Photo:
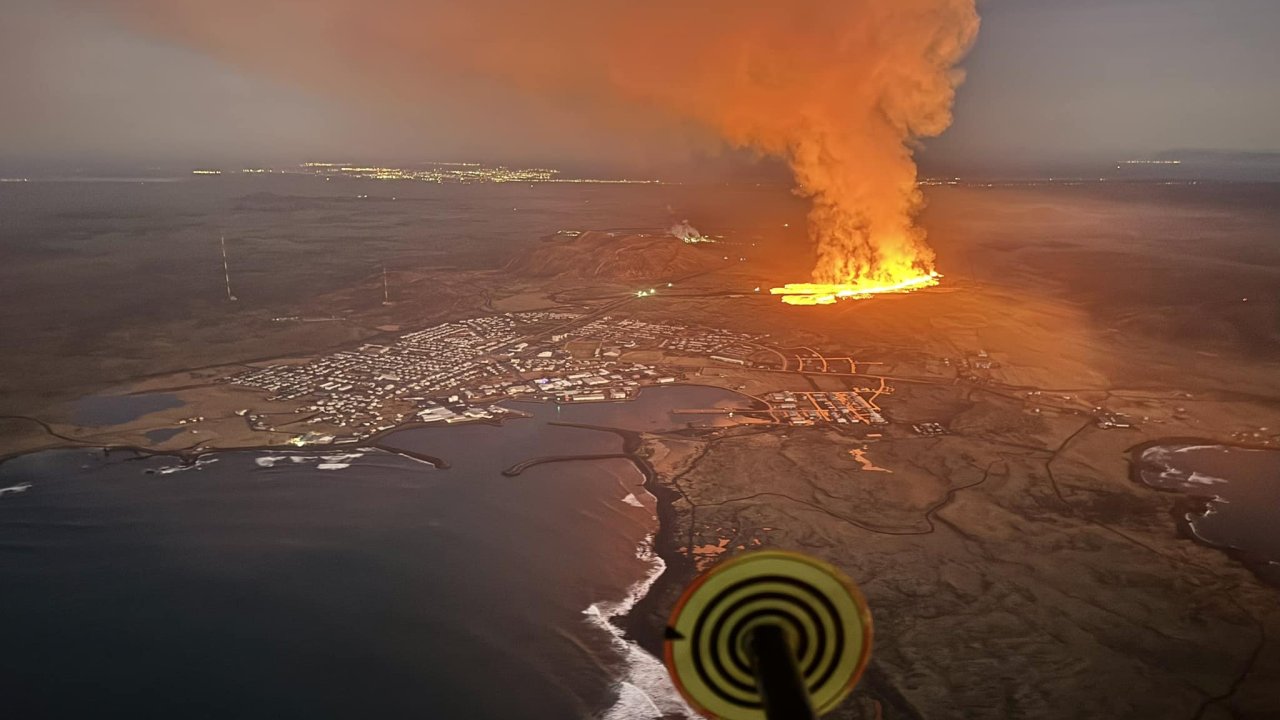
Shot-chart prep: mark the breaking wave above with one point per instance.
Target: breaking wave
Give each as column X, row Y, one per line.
column 338, row 461
column 644, row 691
column 197, row 465
column 15, row 489
column 1163, row 457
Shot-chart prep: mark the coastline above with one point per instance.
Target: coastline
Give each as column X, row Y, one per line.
column 1188, row 504
column 613, row 573
column 191, row 455
column 645, row 621
column 636, row 622
column 641, row 618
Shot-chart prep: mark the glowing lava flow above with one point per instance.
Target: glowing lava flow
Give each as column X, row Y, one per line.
column 827, row 294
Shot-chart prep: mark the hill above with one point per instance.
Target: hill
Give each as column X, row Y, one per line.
column 613, row 257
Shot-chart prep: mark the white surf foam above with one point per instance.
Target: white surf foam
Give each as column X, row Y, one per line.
column 1211, row 508
column 645, row 691
column 1194, row 448
column 15, row 489
column 323, row 462
column 197, row 465
column 1191, row 519
column 1202, row 479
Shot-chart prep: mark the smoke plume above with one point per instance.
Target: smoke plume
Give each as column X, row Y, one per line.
column 842, row 89
column 688, row 233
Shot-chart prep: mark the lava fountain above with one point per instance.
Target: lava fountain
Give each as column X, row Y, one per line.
column 830, row 293
column 856, row 161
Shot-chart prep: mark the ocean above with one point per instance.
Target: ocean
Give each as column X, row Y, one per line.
column 336, row 583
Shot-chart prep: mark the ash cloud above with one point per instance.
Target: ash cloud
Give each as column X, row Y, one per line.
column 840, row 89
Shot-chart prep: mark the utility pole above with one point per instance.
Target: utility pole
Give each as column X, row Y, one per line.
column 226, row 271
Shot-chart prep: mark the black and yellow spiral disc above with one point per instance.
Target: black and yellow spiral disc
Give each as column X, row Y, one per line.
column 823, row 615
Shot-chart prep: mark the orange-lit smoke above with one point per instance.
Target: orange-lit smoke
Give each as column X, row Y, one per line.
column 841, row 89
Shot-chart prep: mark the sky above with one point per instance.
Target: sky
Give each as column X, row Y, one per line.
column 1047, row 82
column 1098, row 80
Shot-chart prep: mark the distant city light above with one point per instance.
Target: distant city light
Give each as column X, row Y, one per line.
column 446, row 172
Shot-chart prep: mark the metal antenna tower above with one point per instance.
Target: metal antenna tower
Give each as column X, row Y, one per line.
column 226, row 272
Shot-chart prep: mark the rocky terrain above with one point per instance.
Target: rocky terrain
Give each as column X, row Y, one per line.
column 613, row 257
column 1013, row 567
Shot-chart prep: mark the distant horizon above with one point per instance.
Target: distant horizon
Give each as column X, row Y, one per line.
column 1195, row 164
column 1049, row 88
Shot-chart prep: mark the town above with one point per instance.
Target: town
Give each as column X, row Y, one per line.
column 463, row 371
column 460, row 371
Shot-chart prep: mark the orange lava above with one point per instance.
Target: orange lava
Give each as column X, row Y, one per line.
column 828, row 293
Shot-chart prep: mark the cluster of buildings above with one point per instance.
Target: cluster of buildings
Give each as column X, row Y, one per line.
column 720, row 345
column 375, row 387
column 452, row 410
column 578, row 381
column 457, row 371
column 453, row 372
column 929, row 429
column 434, row 172
column 1106, row 419
column 1260, row 436
column 437, row 172
column 829, row 408
column 967, row 367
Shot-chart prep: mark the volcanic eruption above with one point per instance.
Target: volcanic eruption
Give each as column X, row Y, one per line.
column 840, row 89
